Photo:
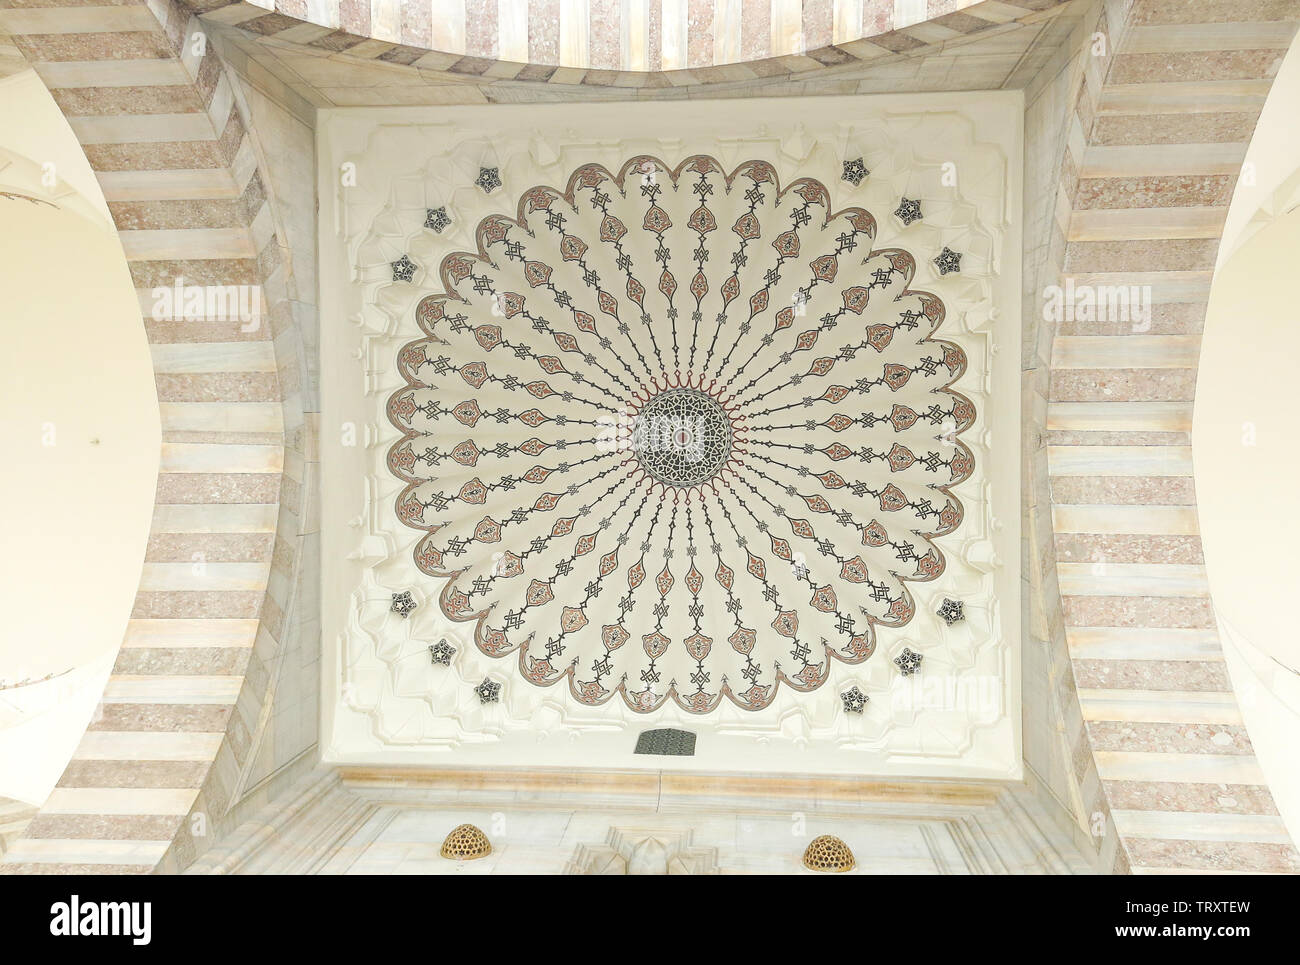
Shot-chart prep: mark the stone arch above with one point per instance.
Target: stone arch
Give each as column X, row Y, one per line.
column 653, row 44
column 182, row 715
column 1157, row 134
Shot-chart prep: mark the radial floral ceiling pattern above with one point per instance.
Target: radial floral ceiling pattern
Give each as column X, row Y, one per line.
column 679, row 433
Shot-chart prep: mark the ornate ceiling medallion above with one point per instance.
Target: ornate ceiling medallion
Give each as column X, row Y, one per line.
column 679, row 434
column 682, row 437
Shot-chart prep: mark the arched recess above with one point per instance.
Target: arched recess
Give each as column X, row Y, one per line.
column 182, row 715
column 1243, row 438
column 80, row 423
column 641, row 44
column 1160, row 126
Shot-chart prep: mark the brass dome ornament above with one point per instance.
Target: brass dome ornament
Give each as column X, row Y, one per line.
column 828, row 853
column 466, row 843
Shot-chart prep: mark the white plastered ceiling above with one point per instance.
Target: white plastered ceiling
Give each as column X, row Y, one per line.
column 387, row 703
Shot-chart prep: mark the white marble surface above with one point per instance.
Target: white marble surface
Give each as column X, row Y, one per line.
column 407, row 841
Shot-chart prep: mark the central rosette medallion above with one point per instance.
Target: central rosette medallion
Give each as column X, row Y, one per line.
column 682, row 437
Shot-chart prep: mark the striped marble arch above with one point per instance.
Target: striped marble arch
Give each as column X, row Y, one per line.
column 182, row 726
column 550, row 40
column 1157, row 134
